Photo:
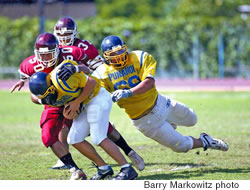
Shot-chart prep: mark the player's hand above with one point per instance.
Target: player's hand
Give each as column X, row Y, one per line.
column 18, row 85
column 93, row 64
column 71, row 110
column 66, row 71
column 119, row 94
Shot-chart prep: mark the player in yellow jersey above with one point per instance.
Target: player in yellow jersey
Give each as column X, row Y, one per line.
column 89, row 105
column 129, row 76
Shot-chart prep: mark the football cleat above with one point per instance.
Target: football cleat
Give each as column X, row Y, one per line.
column 60, row 166
column 102, row 174
column 77, row 174
column 209, row 142
column 137, row 161
column 127, row 173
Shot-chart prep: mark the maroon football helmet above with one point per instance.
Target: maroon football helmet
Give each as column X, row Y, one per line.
column 65, row 30
column 46, row 49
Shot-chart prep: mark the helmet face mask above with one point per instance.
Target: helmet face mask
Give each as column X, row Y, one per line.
column 65, row 30
column 115, row 51
column 117, row 57
column 51, row 90
column 47, row 57
column 47, row 49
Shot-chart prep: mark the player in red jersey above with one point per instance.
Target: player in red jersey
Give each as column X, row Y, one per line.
column 65, row 30
column 47, row 56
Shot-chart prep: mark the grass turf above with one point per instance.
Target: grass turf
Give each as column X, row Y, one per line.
column 224, row 115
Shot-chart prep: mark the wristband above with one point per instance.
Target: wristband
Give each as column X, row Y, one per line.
column 130, row 93
column 77, row 69
column 39, row 101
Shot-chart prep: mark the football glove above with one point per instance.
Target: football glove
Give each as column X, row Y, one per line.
column 66, row 71
column 119, row 94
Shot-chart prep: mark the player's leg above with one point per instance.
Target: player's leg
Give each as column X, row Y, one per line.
column 156, row 126
column 117, row 138
column 62, row 136
column 165, row 134
column 78, row 132
column 63, row 139
column 51, row 124
column 98, row 111
column 180, row 114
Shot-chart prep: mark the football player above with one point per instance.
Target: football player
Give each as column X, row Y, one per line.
column 90, row 105
column 48, row 54
column 129, row 76
column 65, row 30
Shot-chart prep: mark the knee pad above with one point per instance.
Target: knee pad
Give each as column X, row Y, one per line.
column 193, row 119
column 169, row 137
column 184, row 145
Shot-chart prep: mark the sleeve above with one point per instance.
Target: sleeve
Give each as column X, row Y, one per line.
column 79, row 54
column 104, row 81
column 148, row 66
column 82, row 79
column 26, row 68
column 91, row 51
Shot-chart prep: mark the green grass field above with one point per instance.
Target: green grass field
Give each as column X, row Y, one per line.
column 225, row 115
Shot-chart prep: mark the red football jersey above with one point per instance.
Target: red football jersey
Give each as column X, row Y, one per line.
column 87, row 46
column 95, row 60
column 30, row 65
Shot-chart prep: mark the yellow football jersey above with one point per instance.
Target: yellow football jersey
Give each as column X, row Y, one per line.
column 140, row 66
column 72, row 88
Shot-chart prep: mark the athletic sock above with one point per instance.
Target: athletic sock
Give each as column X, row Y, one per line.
column 104, row 167
column 68, row 160
column 123, row 145
column 125, row 166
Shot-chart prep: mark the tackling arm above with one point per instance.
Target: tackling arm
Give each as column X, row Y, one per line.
column 141, row 88
column 19, row 85
column 83, row 68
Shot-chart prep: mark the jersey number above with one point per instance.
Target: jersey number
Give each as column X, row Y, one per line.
column 67, row 50
column 132, row 82
column 38, row 67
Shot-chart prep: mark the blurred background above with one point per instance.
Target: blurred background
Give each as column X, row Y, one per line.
column 191, row 39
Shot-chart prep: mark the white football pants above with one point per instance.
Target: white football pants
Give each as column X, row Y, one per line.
column 93, row 120
column 157, row 124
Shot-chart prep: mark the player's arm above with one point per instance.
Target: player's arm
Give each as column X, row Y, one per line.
column 83, row 68
column 34, row 99
column 65, row 73
column 48, row 100
column 147, row 75
column 26, row 69
column 18, row 85
column 23, row 77
column 86, row 92
column 144, row 86
column 141, row 88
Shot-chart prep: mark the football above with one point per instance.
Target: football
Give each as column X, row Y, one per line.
column 68, row 114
